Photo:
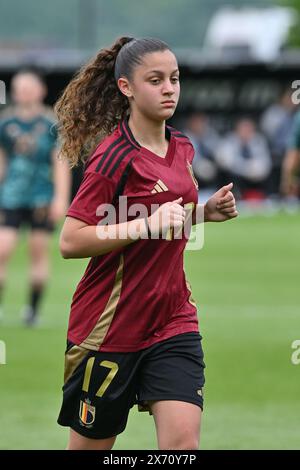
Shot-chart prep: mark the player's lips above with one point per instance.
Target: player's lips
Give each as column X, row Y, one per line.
column 168, row 103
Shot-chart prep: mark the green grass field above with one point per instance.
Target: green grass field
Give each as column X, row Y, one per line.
column 246, row 284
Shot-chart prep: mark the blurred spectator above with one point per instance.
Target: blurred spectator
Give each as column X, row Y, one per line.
column 276, row 123
column 205, row 141
column 290, row 179
column 35, row 183
column 244, row 158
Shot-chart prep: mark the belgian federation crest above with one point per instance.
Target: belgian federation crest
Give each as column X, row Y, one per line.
column 87, row 413
column 190, row 169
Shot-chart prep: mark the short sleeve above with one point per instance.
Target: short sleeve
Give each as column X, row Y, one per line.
column 95, row 189
column 190, row 150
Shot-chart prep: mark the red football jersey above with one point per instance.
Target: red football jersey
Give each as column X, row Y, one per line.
column 138, row 295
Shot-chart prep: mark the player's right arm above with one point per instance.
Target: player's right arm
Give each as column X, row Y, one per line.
column 86, row 234
column 81, row 240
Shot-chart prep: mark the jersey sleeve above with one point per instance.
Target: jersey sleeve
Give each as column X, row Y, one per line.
column 95, row 189
column 190, row 150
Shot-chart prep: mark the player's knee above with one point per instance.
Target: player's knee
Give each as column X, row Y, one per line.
column 181, row 441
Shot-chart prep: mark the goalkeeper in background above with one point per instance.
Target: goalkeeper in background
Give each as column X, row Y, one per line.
column 35, row 184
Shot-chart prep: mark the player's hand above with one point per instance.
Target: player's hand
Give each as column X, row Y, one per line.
column 221, row 206
column 168, row 215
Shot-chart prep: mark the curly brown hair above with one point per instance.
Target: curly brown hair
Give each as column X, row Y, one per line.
column 92, row 104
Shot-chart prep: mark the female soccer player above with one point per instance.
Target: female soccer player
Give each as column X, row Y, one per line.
column 133, row 334
column 34, row 182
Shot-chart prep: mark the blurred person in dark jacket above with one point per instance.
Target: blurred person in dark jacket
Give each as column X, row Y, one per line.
column 244, row 157
column 205, row 141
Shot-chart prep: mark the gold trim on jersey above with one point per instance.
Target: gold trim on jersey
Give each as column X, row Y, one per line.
column 73, row 358
column 191, row 172
column 98, row 333
column 159, row 187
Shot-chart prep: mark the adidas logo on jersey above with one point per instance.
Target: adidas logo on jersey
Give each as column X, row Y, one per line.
column 159, row 187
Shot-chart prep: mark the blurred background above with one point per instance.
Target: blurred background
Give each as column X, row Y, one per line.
column 240, row 82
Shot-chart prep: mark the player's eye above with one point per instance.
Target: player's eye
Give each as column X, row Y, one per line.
column 156, row 81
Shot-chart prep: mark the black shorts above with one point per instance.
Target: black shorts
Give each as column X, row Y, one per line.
column 101, row 387
column 36, row 219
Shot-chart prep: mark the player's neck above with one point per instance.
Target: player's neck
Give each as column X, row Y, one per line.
column 147, row 133
column 29, row 111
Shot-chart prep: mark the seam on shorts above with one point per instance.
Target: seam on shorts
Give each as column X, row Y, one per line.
column 90, row 435
column 172, row 397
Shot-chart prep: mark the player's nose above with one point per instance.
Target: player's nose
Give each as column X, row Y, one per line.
column 168, row 88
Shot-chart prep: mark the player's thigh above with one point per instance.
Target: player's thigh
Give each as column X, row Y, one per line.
column 99, row 391
column 8, row 242
column 172, row 380
column 79, row 442
column 177, row 424
column 39, row 220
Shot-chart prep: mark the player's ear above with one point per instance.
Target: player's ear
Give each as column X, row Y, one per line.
column 124, row 87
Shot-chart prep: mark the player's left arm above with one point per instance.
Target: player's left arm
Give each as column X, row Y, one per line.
column 220, row 207
column 62, row 187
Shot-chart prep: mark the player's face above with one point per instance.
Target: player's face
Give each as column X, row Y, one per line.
column 27, row 89
column 154, row 82
column 246, row 129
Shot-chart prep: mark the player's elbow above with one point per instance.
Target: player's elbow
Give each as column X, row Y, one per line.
column 66, row 247
column 72, row 241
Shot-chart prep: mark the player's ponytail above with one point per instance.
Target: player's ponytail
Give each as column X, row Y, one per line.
column 92, row 104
